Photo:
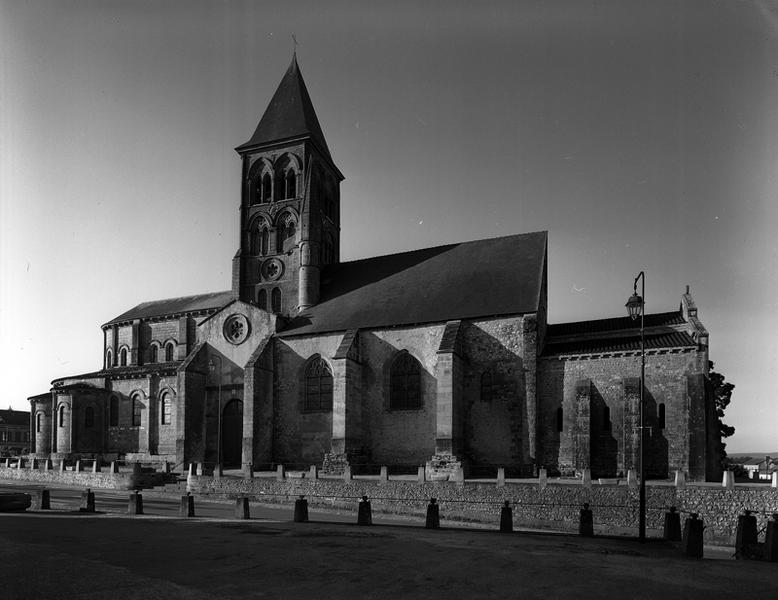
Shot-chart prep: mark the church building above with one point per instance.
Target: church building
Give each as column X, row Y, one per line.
column 439, row 357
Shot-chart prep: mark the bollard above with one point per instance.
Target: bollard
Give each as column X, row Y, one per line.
column 135, row 505
column 384, row 475
column 433, row 515
column 506, row 518
column 301, row 510
column 87, row 501
column 586, row 524
column 364, row 514
column 771, row 540
column 192, row 469
column 746, row 538
column 218, row 471
column 586, row 478
column 421, row 475
column 199, row 470
column 114, row 467
column 500, row 477
column 47, row 466
column 248, row 472
column 62, row 465
column 79, row 467
column 774, row 480
column 42, row 500
column 632, row 478
column 95, row 466
column 728, row 481
column 7, row 463
column 187, row 508
column 242, row 508
column 314, row 472
column 680, row 479
column 280, row 473
column 692, row 536
column 33, row 464
column 542, row 477
column 672, row 531
column 20, row 464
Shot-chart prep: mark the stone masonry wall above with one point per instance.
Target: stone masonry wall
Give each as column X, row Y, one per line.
column 556, row 506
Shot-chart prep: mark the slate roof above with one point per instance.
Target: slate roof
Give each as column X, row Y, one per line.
column 158, row 308
column 615, row 323
column 620, row 334
column 679, row 339
column 290, row 114
column 498, row 276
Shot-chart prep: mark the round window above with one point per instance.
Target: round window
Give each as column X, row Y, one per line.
column 272, row 269
column 236, row 329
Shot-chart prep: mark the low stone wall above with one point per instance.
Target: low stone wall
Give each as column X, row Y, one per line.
column 100, row 480
column 555, row 506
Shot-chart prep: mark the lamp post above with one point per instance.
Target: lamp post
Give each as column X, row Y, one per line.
column 212, row 367
column 636, row 306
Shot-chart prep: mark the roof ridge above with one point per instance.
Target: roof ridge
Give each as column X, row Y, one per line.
column 657, row 314
column 449, row 245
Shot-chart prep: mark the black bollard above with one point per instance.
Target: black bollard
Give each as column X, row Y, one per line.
column 301, row 510
column 771, row 540
column 692, row 536
column 364, row 515
column 242, row 508
column 506, row 518
column 87, row 501
column 586, row 525
column 187, row 506
column 42, row 500
column 433, row 515
column 746, row 539
column 672, row 531
column 135, row 505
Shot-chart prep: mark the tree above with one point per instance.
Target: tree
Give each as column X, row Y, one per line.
column 722, row 394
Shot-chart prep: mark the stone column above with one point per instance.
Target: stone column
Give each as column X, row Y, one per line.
column 135, row 354
column 449, row 374
column 346, row 444
column 631, row 428
column 583, row 426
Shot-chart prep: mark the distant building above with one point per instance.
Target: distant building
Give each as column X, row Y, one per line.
column 440, row 357
column 760, row 468
column 15, row 432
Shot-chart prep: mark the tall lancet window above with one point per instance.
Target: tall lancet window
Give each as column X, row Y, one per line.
column 291, row 184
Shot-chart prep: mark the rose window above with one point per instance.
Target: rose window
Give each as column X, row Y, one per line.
column 236, row 329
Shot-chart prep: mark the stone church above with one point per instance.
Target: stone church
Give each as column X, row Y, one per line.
column 440, row 357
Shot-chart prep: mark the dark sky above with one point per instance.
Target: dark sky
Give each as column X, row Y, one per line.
column 641, row 135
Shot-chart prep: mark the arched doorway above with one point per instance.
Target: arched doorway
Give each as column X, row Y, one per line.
column 232, row 433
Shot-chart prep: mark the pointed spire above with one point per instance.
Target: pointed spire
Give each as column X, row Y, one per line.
column 290, row 114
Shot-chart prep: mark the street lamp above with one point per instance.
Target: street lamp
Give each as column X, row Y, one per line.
column 212, row 367
column 636, row 308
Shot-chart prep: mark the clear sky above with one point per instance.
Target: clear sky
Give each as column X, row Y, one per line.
column 641, row 135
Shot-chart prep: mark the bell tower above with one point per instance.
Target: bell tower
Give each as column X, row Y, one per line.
column 290, row 204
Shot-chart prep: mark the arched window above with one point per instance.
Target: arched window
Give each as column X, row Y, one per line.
column 267, row 186
column 560, row 421
column 153, row 353
column 318, row 385
column 291, row 184
column 108, row 358
column 136, row 411
column 165, row 409
column 275, row 298
column 62, row 416
column 606, row 418
column 661, row 416
column 264, row 241
column 486, row 386
column 89, row 417
column 262, row 299
column 39, row 422
column 405, row 387
column 169, row 351
column 113, row 412
column 123, row 357
column 287, row 235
